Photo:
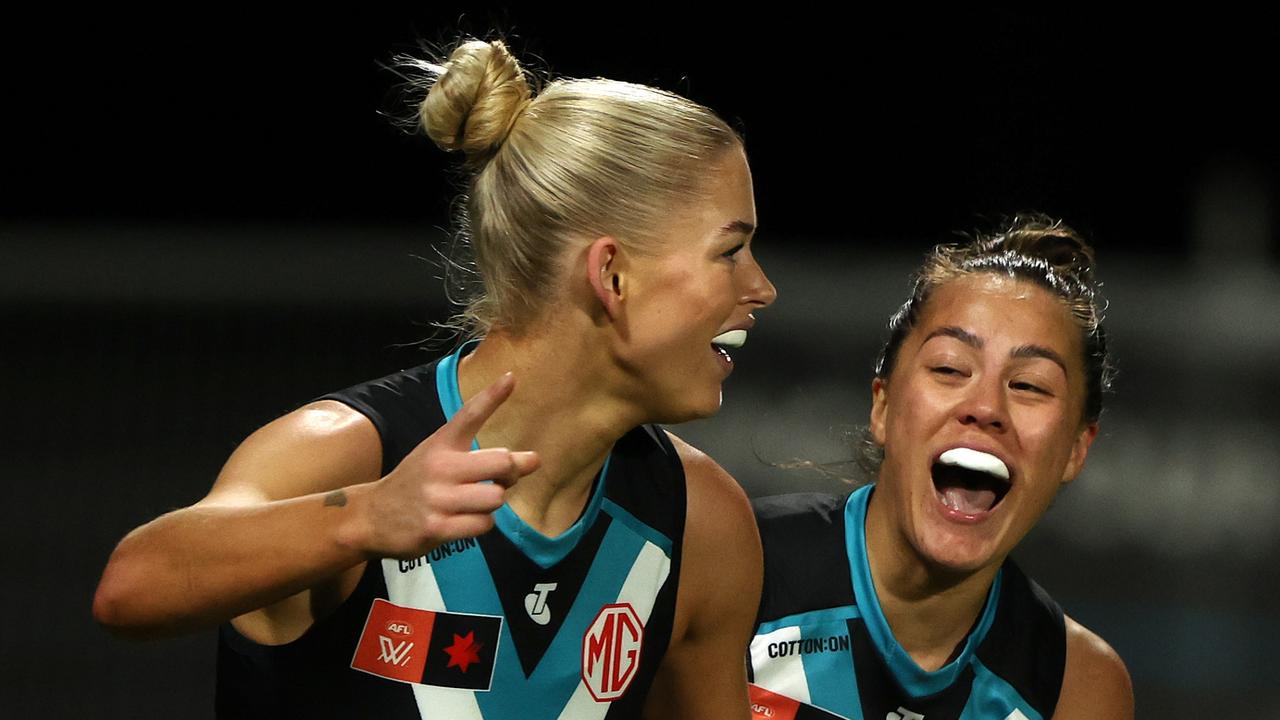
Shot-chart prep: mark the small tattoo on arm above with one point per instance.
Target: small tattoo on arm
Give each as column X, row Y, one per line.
column 337, row 498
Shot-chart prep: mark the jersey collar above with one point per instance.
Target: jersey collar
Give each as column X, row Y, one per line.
column 541, row 549
column 914, row 679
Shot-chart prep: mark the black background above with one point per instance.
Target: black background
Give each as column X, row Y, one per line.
column 893, row 123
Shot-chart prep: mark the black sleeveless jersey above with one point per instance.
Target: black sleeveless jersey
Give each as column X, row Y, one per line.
column 823, row 648
column 512, row 624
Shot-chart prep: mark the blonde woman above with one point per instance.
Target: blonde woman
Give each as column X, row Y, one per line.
column 357, row 556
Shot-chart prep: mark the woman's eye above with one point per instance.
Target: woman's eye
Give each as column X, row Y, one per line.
column 945, row 370
column 1023, row 385
column 734, row 250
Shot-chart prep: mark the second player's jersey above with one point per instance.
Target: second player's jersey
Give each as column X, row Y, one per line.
column 823, row 648
column 512, row 624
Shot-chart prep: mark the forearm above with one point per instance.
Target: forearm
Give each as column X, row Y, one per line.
column 205, row 564
column 240, row 550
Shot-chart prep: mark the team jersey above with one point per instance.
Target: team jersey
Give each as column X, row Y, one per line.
column 823, row 648
column 509, row 624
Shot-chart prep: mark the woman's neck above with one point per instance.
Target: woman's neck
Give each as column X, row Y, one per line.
column 929, row 609
column 561, row 407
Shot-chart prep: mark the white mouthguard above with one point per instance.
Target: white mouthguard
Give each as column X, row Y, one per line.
column 732, row 338
column 975, row 460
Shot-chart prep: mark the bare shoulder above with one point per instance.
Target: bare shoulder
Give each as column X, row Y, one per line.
column 723, row 560
column 321, row 446
column 703, row 673
column 718, row 505
column 1096, row 682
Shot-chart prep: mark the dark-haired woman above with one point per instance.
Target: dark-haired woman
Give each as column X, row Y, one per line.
column 364, row 563
column 899, row 600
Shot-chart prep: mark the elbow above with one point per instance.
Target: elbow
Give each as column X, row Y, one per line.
column 107, row 605
column 112, row 608
column 118, row 602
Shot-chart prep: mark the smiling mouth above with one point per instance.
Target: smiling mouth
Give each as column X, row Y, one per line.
column 970, row 482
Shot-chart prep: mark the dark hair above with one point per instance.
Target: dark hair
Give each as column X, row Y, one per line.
column 1030, row 247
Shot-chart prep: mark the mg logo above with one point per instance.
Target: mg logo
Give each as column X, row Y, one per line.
column 611, row 651
column 392, row 652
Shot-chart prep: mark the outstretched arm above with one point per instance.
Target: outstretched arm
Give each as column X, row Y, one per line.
column 704, row 672
column 297, row 505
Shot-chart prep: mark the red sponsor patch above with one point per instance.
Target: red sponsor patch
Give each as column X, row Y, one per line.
column 394, row 642
column 445, row 649
column 768, row 705
column 611, row 651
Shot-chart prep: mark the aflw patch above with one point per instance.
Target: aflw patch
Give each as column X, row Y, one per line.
column 444, row 649
column 766, row 705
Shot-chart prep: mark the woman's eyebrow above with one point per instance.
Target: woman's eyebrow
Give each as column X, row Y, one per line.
column 1038, row 351
column 957, row 332
column 737, row 226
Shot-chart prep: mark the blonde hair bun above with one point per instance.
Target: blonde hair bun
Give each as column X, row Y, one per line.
column 478, row 95
column 583, row 159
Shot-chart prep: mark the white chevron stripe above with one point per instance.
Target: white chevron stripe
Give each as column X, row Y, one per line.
column 418, row 588
column 582, row 706
column 437, row 703
column 783, row 675
column 650, row 571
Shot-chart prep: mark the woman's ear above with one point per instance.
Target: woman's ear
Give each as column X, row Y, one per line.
column 606, row 263
column 879, row 409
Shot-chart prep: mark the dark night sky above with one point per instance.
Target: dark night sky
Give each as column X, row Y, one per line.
column 871, row 126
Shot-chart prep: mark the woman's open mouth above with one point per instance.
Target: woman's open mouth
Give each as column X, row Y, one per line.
column 970, row 482
column 725, row 340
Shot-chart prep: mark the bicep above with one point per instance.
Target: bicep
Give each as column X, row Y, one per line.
column 320, row 447
column 202, row 564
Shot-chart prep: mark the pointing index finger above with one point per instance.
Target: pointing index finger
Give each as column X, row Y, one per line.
column 462, row 428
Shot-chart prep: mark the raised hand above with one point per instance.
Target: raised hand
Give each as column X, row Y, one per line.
column 439, row 492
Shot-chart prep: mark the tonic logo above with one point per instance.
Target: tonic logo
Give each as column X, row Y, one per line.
column 611, row 651
column 535, row 603
column 392, row 652
column 903, row 714
column 399, row 628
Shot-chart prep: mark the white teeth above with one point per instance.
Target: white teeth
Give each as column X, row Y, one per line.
column 975, row 460
column 732, row 338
